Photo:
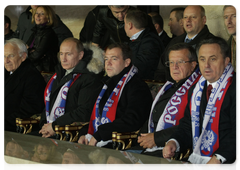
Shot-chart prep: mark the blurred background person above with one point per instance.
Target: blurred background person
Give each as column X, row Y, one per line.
column 43, row 43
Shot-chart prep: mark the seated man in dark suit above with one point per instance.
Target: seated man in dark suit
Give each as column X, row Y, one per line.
column 24, row 85
column 169, row 105
column 72, row 91
column 146, row 46
column 209, row 122
column 124, row 103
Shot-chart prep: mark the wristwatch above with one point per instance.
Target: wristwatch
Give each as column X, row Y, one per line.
column 218, row 158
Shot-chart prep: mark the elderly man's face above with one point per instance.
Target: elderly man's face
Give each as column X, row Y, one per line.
column 211, row 62
column 180, row 70
column 119, row 13
column 193, row 22
column 69, row 55
column 230, row 20
column 114, row 62
column 12, row 59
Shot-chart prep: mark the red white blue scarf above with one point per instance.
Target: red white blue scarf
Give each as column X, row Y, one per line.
column 206, row 143
column 58, row 108
column 175, row 107
column 109, row 110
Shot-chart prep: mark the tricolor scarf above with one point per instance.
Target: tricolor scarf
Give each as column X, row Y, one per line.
column 109, row 109
column 175, row 107
column 58, row 108
column 206, row 143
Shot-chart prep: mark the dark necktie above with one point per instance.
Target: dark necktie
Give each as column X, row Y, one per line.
column 188, row 40
column 209, row 89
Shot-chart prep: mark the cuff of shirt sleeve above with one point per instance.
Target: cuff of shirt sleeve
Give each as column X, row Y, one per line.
column 221, row 158
column 177, row 144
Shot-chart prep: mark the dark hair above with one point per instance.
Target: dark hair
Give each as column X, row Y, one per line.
column 117, row 3
column 157, row 19
column 225, row 51
column 231, row 3
column 126, row 51
column 7, row 20
column 192, row 53
column 78, row 43
column 179, row 12
column 137, row 17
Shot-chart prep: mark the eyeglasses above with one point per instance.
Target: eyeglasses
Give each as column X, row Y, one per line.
column 172, row 63
column 10, row 56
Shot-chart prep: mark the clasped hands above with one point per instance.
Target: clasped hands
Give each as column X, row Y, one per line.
column 146, row 140
column 83, row 140
column 171, row 147
column 47, row 130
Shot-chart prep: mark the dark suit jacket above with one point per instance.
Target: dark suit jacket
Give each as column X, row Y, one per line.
column 23, row 94
column 165, row 38
column 86, row 34
column 227, row 124
column 162, row 69
column 146, row 49
column 133, row 106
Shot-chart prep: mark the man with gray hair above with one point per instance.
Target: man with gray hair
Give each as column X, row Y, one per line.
column 229, row 16
column 24, row 85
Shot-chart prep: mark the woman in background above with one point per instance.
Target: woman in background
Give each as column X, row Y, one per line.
column 43, row 43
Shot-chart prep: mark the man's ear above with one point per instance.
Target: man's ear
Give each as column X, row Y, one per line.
column 127, row 62
column 181, row 22
column 6, row 25
column 80, row 55
column 194, row 64
column 24, row 57
column 227, row 60
column 204, row 19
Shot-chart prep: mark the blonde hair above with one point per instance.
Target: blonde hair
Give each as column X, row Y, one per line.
column 50, row 14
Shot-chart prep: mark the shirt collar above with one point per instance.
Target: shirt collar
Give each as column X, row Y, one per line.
column 69, row 71
column 190, row 38
column 213, row 84
column 135, row 36
column 160, row 33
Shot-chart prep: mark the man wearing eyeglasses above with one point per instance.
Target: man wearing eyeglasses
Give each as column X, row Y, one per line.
column 169, row 105
column 21, row 86
column 209, row 123
column 194, row 23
